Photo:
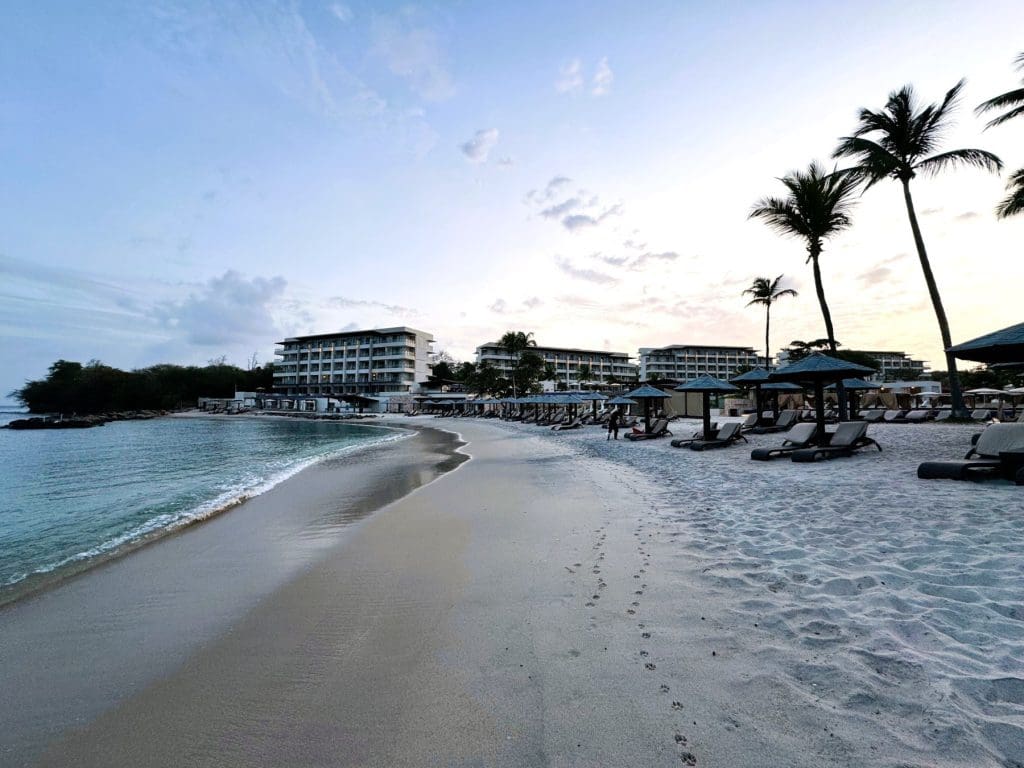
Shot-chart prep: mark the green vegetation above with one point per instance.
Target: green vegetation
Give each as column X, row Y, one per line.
column 765, row 291
column 1013, row 103
column 904, row 139
column 71, row 387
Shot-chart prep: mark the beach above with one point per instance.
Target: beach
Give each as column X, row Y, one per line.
column 555, row 600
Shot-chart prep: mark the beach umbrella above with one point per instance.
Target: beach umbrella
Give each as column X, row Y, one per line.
column 756, row 378
column 1003, row 346
column 646, row 393
column 593, row 397
column 817, row 369
column 853, row 387
column 707, row 385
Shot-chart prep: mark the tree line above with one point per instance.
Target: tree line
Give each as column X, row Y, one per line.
column 899, row 142
column 71, row 387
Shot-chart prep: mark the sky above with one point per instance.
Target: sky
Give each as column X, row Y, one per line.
column 186, row 181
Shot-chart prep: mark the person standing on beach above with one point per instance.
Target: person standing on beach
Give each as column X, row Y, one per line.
column 613, row 425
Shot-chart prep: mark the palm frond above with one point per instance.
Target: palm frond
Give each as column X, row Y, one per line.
column 1014, row 100
column 1019, row 61
column 1013, row 204
column 978, row 158
column 873, row 161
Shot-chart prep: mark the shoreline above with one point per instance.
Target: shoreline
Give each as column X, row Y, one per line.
column 39, row 581
column 74, row 650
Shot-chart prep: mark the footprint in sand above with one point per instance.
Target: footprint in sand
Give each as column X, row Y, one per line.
column 638, row 592
column 677, row 705
column 650, row 665
column 635, row 604
column 664, row 688
column 680, row 739
column 688, row 758
column 589, row 605
column 630, row 611
column 646, row 635
column 644, row 654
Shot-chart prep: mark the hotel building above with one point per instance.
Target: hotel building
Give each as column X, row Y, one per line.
column 889, row 362
column 685, row 362
column 567, row 361
column 373, row 363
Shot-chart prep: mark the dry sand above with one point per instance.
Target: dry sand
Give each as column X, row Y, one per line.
column 561, row 601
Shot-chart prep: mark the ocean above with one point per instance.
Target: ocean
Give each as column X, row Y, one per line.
column 70, row 498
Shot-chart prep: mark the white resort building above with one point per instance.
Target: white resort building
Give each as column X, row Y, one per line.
column 891, row 364
column 685, row 362
column 605, row 367
column 381, row 363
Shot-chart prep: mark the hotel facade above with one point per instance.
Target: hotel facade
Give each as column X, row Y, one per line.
column 889, row 364
column 604, row 366
column 685, row 362
column 375, row 363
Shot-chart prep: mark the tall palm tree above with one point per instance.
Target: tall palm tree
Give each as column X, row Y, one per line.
column 515, row 343
column 1013, row 103
column 765, row 291
column 817, row 207
column 905, row 138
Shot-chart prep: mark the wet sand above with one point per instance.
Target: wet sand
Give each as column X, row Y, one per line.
column 88, row 644
column 543, row 605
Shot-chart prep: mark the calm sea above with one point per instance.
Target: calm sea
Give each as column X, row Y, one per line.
column 70, row 496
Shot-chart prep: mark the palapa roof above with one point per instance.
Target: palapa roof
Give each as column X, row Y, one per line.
column 1003, row 346
column 621, row 400
column 646, row 391
column 818, row 367
column 857, row 384
column 707, row 384
column 753, row 376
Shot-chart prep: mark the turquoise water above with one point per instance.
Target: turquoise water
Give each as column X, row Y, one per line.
column 71, row 496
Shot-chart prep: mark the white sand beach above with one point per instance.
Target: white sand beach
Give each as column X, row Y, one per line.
column 566, row 601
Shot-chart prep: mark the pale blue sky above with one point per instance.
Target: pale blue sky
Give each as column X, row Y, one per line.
column 186, row 180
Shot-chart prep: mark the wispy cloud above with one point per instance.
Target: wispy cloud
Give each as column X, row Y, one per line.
column 589, row 275
column 413, row 51
column 578, row 221
column 603, row 77
column 341, row 12
column 342, row 302
column 499, row 307
column 479, row 147
column 532, row 303
column 560, row 209
column 875, row 276
column 570, row 77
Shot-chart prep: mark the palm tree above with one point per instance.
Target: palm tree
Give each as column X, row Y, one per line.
column 515, row 343
column 1013, row 103
column 764, row 291
column 817, row 207
column 583, row 374
column 906, row 135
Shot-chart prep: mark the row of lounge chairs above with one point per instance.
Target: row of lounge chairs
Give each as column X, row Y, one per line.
column 803, row 444
column 997, row 452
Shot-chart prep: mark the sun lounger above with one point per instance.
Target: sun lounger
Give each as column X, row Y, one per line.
column 786, row 420
column 574, row 424
column 916, row 416
column 981, row 414
column 982, row 460
column 943, row 415
column 800, row 436
column 873, row 415
column 749, row 423
column 658, row 429
column 849, row 436
column 726, row 436
column 682, row 442
column 892, row 415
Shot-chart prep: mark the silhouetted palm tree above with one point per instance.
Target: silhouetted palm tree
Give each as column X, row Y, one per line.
column 515, row 343
column 905, row 136
column 583, row 374
column 817, row 207
column 1013, row 103
column 765, row 291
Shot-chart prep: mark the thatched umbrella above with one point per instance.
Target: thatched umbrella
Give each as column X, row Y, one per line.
column 1004, row 346
column 817, row 369
column 593, row 397
column 756, row 378
column 853, row 387
column 707, row 385
column 646, row 393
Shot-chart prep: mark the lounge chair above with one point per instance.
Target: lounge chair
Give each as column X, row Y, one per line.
column 849, row 436
column 873, row 415
column 981, row 414
column 658, row 429
column 800, row 436
column 726, row 436
column 916, row 416
column 574, row 424
column 983, row 458
column 892, row 416
column 749, row 423
column 943, row 415
column 786, row 420
column 682, row 442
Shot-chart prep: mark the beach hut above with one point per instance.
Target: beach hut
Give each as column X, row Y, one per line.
column 817, row 369
column 707, row 386
column 646, row 394
column 1003, row 346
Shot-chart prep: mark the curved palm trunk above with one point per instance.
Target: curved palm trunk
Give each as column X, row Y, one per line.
column 815, row 251
column 940, row 312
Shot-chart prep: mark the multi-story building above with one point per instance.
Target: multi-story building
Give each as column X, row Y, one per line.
column 685, row 362
column 891, row 362
column 567, row 361
column 374, row 363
